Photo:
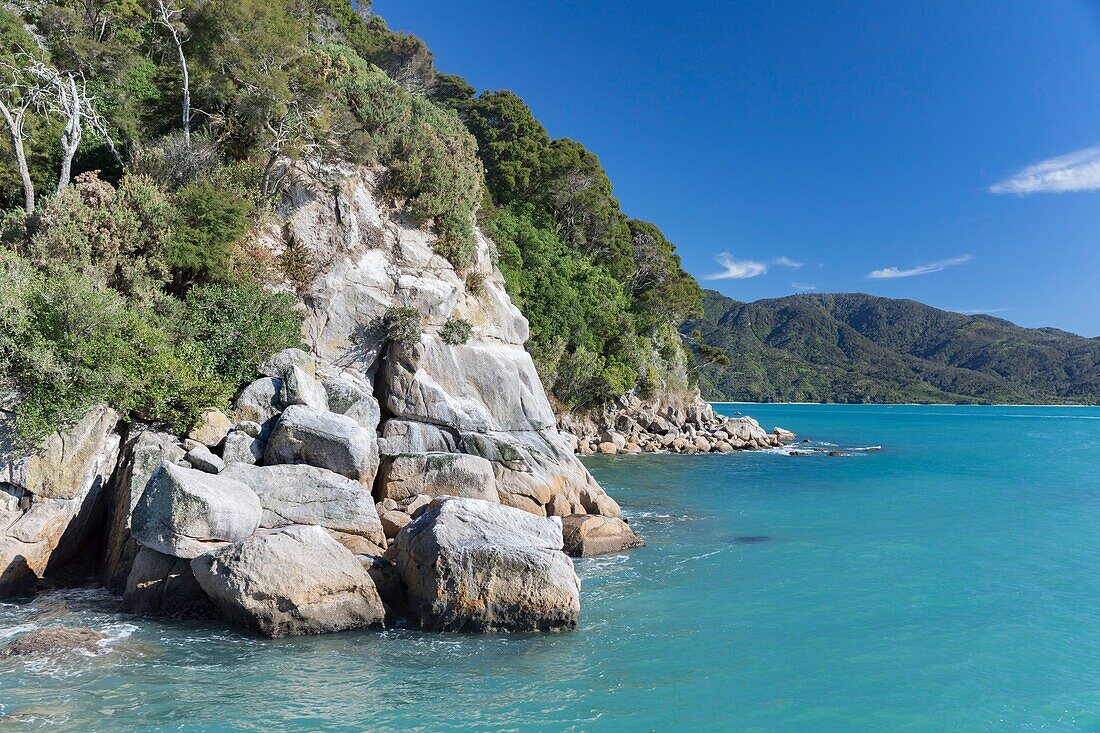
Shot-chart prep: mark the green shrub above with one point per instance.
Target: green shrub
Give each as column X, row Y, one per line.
column 402, row 325
column 117, row 237
column 68, row 344
column 231, row 329
column 210, row 220
column 456, row 331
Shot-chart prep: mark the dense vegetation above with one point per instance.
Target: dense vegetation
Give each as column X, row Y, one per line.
column 147, row 138
column 861, row 348
column 144, row 142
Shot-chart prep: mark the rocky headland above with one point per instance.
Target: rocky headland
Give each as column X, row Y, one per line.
column 364, row 482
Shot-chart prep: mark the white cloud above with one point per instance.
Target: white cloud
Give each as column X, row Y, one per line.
column 787, row 262
column 737, row 269
column 979, row 311
column 889, row 273
column 1079, row 171
column 803, row 286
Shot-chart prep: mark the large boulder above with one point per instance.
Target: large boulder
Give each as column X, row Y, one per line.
column 587, row 535
column 436, row 474
column 260, row 402
column 144, row 452
column 478, row 386
column 51, row 497
column 407, row 436
column 296, row 580
column 185, row 512
column 352, row 397
column 326, row 440
column 310, row 495
column 301, row 388
column 473, row 565
column 163, row 585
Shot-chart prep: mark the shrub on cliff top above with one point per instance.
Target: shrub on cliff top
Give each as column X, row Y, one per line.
column 402, row 325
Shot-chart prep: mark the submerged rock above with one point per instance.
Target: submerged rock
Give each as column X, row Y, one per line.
column 472, row 565
column 185, row 512
column 291, row 581
column 53, row 640
column 585, row 535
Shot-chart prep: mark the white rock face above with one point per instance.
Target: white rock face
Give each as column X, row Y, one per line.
column 309, row 495
column 296, row 580
column 302, row 388
column 326, row 440
column 144, row 451
column 370, row 260
column 434, row 475
column 472, row 565
column 48, row 498
column 185, row 512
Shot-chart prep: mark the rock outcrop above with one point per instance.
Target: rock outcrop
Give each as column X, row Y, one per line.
column 668, row 424
column 51, row 498
column 585, row 535
column 185, row 512
column 473, row 565
column 308, row 495
column 296, row 580
column 481, row 397
column 408, row 475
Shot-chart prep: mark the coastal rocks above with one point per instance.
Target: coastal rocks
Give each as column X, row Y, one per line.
column 144, row 452
column 309, row 495
column 436, row 474
column 277, row 365
column 212, row 428
column 476, row 387
column 672, row 423
column 164, row 586
column 201, row 458
column 301, row 388
column 50, row 498
column 587, row 535
column 291, row 581
column 185, row 512
column 326, row 440
column 260, row 403
column 53, row 640
column 242, row 446
column 472, row 565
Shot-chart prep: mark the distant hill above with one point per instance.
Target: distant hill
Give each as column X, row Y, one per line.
column 861, row 348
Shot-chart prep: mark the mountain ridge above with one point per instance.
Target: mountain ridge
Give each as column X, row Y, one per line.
column 855, row 347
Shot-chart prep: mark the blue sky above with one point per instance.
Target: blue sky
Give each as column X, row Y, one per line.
column 928, row 149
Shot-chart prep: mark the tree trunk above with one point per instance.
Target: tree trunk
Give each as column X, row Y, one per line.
column 70, row 139
column 15, row 136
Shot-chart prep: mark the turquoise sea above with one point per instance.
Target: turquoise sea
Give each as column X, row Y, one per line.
column 948, row 582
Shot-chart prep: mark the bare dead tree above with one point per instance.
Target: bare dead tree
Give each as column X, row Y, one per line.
column 169, row 16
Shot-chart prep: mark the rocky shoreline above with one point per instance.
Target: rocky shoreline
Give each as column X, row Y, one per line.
column 369, row 481
column 669, row 424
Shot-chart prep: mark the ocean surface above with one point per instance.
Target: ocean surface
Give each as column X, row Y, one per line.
column 947, row 582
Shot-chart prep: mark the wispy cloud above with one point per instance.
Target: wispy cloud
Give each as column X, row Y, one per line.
column 889, row 273
column 1078, row 171
column 980, row 311
column 803, row 286
column 741, row 269
column 737, row 269
column 787, row 262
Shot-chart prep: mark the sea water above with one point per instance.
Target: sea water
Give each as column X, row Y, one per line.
column 947, row 582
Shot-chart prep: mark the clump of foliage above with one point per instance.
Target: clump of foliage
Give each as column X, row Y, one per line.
column 402, row 325
column 456, row 331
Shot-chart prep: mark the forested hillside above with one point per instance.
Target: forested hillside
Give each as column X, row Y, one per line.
column 146, row 141
column 862, row 348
